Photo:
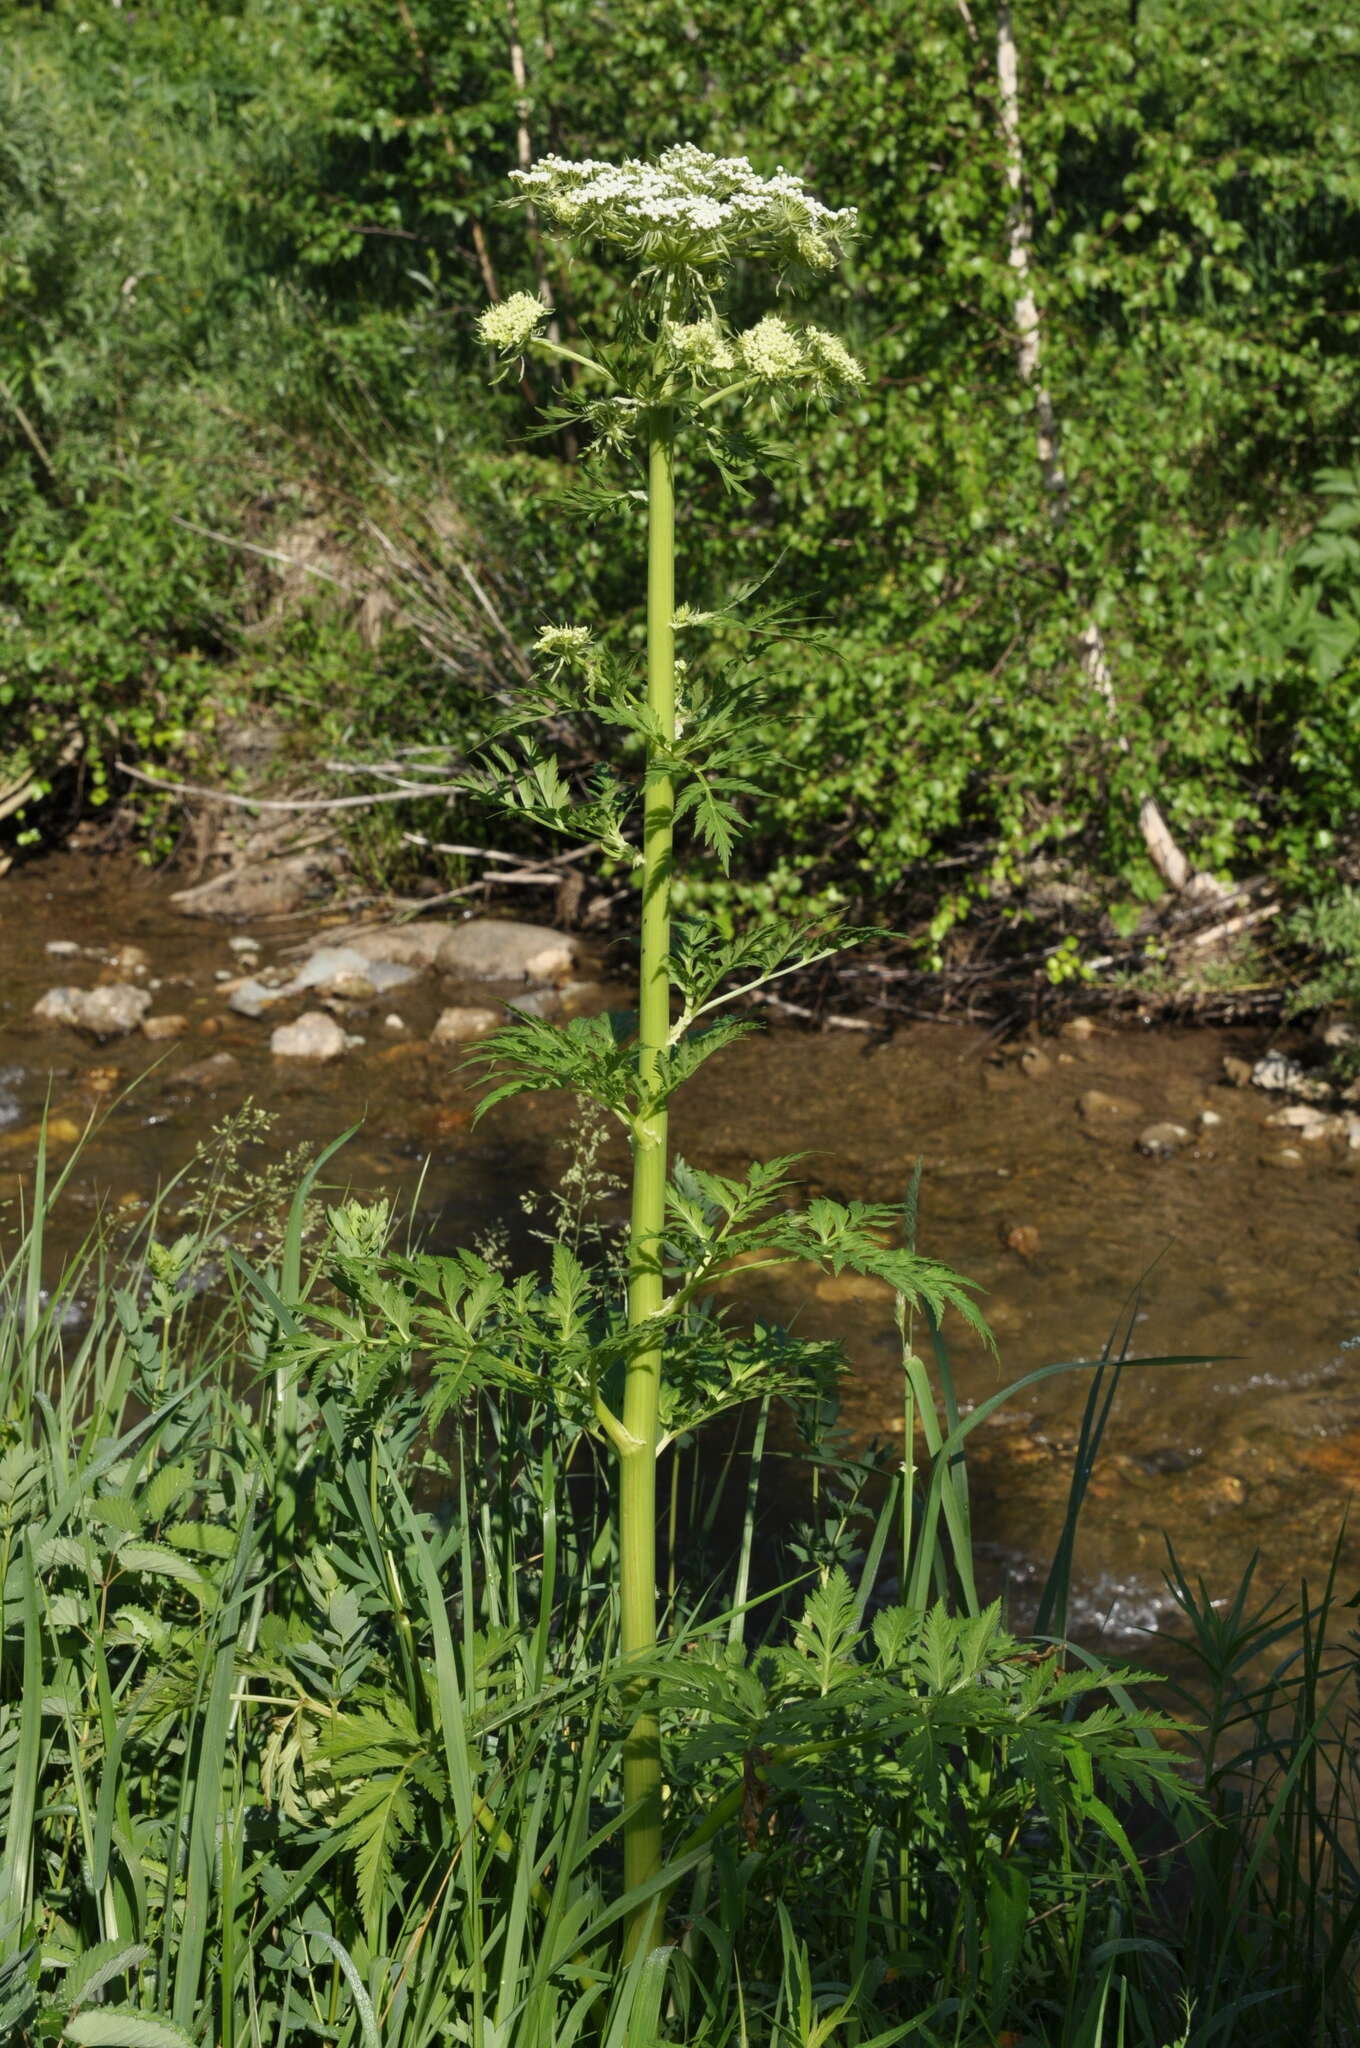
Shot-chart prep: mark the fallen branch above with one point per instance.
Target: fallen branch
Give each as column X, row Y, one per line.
column 294, row 803
column 1232, row 925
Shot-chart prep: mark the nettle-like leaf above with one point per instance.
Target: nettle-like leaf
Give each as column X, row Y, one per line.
column 591, row 1055
column 523, row 779
column 702, row 960
column 827, row 1635
column 711, row 1369
column 22, row 1486
column 381, row 1762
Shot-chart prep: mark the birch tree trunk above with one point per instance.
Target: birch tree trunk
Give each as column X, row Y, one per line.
column 1163, row 849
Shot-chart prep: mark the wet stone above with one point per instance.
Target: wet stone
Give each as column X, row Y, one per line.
column 314, row 1036
column 501, row 949
column 464, row 1021
column 344, row 971
column 1095, row 1105
column 108, row 1012
column 1278, row 1074
column 157, row 1028
column 251, row 998
column 1034, row 1064
column 1311, row 1123
column 219, row 1070
column 1162, row 1141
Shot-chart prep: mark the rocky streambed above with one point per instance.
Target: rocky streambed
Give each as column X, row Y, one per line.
column 1205, row 1180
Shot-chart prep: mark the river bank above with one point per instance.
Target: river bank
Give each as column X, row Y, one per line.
column 1063, row 1172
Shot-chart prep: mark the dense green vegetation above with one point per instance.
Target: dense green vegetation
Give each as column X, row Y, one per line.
column 241, row 253
column 310, row 1704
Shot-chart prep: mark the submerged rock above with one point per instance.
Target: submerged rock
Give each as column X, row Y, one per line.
column 480, row 949
column 464, row 1021
column 251, row 998
column 215, row 1072
column 272, row 888
column 1095, row 1105
column 108, row 1012
column 1286, row 1076
column 156, row 1028
column 500, row 949
column 405, row 945
column 345, row 971
column 1160, row 1141
column 1310, row 1122
column 315, row 1036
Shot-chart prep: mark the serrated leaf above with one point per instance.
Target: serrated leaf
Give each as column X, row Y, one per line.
column 209, row 1539
column 109, row 2027
column 98, row 1966
column 165, row 1489
column 160, row 1561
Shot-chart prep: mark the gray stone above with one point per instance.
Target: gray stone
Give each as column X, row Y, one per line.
column 1286, row 1076
column 500, row 949
column 272, row 888
column 1311, row 1123
column 408, row 945
column 205, row 1076
column 1160, row 1141
column 463, row 1022
column 10, row 1107
column 314, row 1036
column 251, row 998
column 1208, row 1120
column 64, row 949
column 345, row 971
column 107, row 1012
column 1095, row 1105
column 156, row 1028
column 540, row 1002
column 239, row 943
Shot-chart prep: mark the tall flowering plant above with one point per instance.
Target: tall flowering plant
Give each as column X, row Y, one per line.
column 674, row 374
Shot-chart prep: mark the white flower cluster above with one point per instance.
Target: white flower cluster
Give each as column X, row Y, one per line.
column 509, row 326
column 699, row 345
column 690, row 208
column 778, row 353
column 832, row 357
column 563, row 643
column 771, row 350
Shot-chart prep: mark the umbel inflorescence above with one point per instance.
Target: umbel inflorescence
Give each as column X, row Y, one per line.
column 690, row 210
column 682, row 223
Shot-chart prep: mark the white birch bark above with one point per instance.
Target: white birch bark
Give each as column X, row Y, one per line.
column 1163, row 850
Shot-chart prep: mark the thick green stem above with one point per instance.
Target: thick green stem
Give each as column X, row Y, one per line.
column 642, row 1393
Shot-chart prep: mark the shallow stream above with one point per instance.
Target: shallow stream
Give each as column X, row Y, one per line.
column 1236, row 1251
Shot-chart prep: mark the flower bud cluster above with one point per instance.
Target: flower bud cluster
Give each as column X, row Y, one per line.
column 778, row 354
column 690, row 209
column 699, row 346
column 510, row 325
column 564, row 643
